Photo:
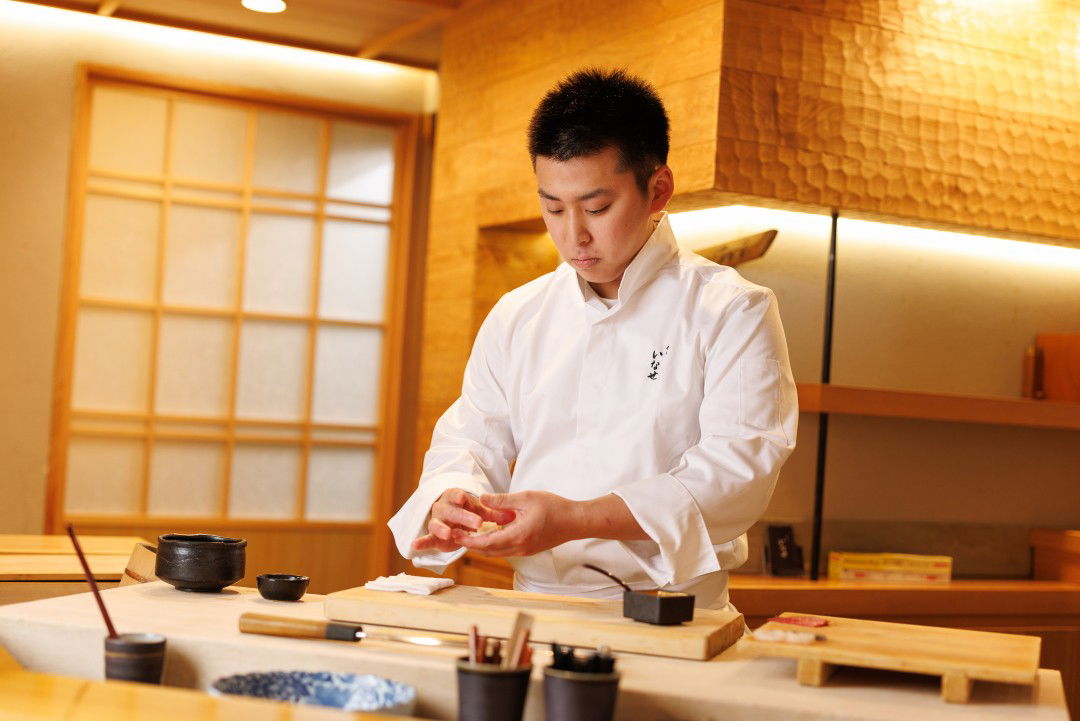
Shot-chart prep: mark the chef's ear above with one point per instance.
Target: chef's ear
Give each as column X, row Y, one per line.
column 661, row 188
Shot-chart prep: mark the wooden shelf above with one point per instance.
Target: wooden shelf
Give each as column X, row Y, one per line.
column 851, row 400
column 992, row 602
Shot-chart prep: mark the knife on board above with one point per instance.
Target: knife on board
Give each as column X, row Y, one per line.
column 336, row 631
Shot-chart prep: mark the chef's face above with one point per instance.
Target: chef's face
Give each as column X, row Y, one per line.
column 597, row 214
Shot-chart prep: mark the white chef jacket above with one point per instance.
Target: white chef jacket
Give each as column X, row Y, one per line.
column 679, row 399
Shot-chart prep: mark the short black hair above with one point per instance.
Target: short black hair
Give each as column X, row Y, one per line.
column 593, row 109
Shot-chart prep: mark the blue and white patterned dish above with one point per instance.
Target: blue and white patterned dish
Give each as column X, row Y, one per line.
column 346, row 691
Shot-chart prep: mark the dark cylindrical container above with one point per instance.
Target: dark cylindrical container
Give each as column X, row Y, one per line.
column 135, row 657
column 663, row 608
column 487, row 692
column 200, row 562
column 577, row 696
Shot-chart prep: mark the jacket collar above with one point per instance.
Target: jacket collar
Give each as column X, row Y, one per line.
column 654, row 255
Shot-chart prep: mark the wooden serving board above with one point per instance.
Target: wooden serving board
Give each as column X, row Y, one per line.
column 564, row 619
column 958, row 656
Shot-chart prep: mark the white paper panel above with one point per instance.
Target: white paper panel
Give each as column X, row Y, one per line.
column 119, row 248
column 272, row 370
column 277, row 278
column 193, row 365
column 127, row 131
column 112, row 360
column 354, row 268
column 347, row 375
column 339, row 484
column 200, row 256
column 104, row 475
column 361, row 163
column 287, row 152
column 209, row 141
column 264, row 479
column 185, row 478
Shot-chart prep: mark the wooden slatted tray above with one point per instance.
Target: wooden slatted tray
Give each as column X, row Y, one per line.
column 958, row 656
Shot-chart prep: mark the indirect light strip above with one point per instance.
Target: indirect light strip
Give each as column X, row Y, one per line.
column 1015, row 252
column 264, row 6
column 697, row 228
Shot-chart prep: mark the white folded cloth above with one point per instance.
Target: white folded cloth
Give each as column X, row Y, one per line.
column 422, row 585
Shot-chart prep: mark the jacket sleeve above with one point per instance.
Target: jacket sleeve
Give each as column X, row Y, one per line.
column 471, row 448
column 748, row 420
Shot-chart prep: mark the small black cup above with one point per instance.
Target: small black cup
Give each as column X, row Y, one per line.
column 281, row 586
column 663, row 608
column 578, row 696
column 487, row 692
column 135, row 657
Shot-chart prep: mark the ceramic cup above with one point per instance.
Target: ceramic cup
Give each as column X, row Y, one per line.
column 200, row 561
column 577, row 696
column 487, row 692
column 135, row 657
column 281, row 586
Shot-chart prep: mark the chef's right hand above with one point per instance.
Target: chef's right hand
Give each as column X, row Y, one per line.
column 457, row 509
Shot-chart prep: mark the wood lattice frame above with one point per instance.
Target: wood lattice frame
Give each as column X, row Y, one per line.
column 381, row 436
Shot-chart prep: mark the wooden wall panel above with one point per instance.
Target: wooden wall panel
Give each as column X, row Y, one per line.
column 507, row 259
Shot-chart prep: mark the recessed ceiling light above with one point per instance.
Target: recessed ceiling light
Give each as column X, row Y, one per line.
column 264, row 6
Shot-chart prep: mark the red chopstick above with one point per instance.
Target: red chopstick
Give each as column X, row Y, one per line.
column 91, row 581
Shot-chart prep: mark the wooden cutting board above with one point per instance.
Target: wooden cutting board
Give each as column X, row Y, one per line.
column 958, row 656
column 563, row 619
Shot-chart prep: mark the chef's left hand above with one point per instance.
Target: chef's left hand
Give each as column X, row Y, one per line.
column 542, row 520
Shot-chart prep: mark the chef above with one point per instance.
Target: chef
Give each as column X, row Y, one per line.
column 641, row 394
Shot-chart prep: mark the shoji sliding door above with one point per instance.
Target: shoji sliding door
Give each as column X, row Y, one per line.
column 229, row 318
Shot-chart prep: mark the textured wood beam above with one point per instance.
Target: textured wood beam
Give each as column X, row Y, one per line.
column 381, row 43
column 108, row 7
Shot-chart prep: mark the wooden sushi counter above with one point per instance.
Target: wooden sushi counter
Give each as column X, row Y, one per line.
column 32, row 696
column 33, row 567
column 64, row 636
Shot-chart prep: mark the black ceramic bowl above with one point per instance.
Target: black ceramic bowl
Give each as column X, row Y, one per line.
column 200, row 562
column 282, row 586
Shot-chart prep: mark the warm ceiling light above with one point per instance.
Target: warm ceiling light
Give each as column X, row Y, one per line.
column 264, row 6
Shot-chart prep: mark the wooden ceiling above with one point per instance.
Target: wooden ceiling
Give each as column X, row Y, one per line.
column 402, row 31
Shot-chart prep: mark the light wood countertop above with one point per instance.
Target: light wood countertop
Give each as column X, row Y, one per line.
column 52, row 558
column 65, row 635
column 30, row 696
